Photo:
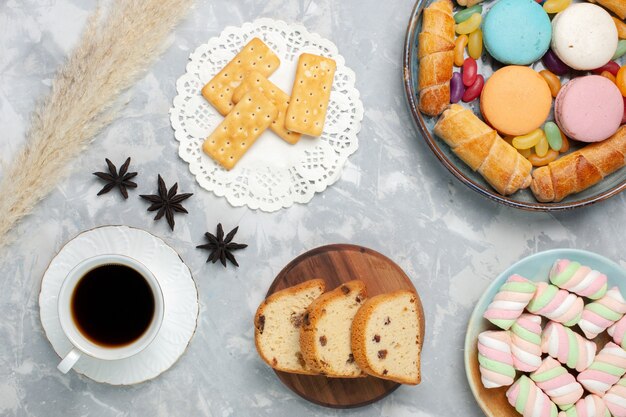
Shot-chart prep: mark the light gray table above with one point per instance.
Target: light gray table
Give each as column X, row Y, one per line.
column 393, row 197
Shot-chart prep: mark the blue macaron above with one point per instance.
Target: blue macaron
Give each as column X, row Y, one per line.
column 517, row 31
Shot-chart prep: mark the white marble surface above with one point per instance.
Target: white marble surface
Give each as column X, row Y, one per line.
column 393, row 197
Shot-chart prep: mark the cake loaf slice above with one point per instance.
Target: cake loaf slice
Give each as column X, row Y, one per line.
column 277, row 326
column 325, row 332
column 387, row 336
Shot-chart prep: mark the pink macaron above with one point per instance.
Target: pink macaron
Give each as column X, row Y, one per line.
column 589, row 109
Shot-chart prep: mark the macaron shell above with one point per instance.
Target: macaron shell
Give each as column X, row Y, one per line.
column 515, row 100
column 584, row 36
column 517, row 31
column 558, row 106
column 589, row 109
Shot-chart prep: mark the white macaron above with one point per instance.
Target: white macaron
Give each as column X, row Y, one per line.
column 584, row 36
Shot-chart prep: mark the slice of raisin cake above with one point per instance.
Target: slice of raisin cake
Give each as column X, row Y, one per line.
column 325, row 333
column 277, row 326
column 387, row 336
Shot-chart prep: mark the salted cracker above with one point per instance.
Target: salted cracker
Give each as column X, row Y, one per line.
column 256, row 55
column 310, row 94
column 254, row 80
column 241, row 127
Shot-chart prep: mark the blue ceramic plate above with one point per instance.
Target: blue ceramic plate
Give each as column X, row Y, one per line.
column 524, row 199
column 536, row 268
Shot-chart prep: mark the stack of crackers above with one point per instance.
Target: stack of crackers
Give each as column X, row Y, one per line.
column 252, row 103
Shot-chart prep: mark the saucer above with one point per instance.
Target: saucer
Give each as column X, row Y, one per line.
column 179, row 294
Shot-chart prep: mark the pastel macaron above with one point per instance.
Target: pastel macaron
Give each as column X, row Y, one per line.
column 517, row 31
column 589, row 109
column 515, row 100
column 584, row 36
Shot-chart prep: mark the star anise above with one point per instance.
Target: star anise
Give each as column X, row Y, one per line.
column 221, row 247
column 120, row 179
column 167, row 202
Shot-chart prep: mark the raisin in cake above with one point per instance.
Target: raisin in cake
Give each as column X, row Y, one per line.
column 387, row 336
column 325, row 333
column 277, row 326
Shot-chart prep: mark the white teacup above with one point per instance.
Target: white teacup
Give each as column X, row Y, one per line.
column 81, row 342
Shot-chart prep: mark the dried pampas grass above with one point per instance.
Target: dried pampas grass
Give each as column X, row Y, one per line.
column 112, row 53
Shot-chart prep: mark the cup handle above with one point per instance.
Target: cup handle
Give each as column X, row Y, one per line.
column 69, row 361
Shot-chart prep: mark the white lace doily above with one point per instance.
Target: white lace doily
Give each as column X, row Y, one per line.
column 272, row 174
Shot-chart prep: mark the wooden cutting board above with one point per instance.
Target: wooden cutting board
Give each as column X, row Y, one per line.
column 337, row 264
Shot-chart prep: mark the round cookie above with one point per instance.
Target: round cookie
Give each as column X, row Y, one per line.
column 584, row 36
column 517, row 31
column 589, row 109
column 515, row 100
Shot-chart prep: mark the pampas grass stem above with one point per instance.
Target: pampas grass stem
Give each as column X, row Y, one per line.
column 113, row 52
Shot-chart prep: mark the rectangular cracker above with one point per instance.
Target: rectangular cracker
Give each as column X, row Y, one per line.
column 254, row 80
column 241, row 127
column 256, row 55
column 310, row 94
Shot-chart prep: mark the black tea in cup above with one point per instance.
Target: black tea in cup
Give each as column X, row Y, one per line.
column 112, row 305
